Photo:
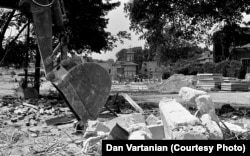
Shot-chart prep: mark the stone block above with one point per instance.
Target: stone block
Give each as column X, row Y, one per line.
column 188, row 95
column 157, row 131
column 214, row 130
column 205, row 105
column 174, row 115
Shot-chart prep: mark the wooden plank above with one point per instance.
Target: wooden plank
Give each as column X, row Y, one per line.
column 132, row 102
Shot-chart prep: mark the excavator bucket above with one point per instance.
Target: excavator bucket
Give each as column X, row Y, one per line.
column 85, row 88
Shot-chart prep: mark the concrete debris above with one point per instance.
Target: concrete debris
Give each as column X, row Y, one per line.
column 174, row 83
column 118, row 133
column 234, row 128
column 205, row 105
column 174, row 115
column 126, row 121
column 188, row 95
column 214, row 130
column 94, row 127
column 152, row 120
column 140, row 135
column 132, row 102
column 157, row 131
column 190, row 133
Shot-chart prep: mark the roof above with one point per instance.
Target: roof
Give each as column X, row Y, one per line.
column 246, row 46
column 129, row 64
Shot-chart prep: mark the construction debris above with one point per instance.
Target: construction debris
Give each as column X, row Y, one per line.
column 132, row 102
column 174, row 83
column 177, row 121
column 209, row 81
column 234, row 85
column 214, row 130
column 189, row 95
column 205, row 105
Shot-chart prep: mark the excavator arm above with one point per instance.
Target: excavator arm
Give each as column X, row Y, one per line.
column 85, row 87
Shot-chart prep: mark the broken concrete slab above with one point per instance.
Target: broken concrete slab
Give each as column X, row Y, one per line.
column 132, row 102
column 131, row 123
column 188, row 95
column 126, row 121
column 140, row 135
column 197, row 132
column 96, row 126
column 234, row 128
column 205, row 105
column 174, row 116
column 157, row 131
column 214, row 130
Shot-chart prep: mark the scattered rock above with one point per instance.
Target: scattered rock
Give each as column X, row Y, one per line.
column 13, row 120
column 152, row 120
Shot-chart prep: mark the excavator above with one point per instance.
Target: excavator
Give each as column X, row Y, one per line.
column 84, row 86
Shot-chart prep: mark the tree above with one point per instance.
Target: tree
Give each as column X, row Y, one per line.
column 228, row 37
column 173, row 23
column 6, row 16
column 86, row 25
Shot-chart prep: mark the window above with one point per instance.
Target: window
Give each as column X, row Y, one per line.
column 245, row 61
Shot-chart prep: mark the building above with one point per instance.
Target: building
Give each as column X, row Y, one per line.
column 242, row 54
column 151, row 69
column 125, row 69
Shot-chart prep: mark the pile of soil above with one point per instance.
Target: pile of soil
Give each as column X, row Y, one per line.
column 174, row 83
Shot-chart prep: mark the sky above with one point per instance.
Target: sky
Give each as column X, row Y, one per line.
column 118, row 22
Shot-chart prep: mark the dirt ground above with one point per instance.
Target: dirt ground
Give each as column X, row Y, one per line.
column 26, row 130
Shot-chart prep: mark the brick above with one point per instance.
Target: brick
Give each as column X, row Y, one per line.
column 188, row 95
column 174, row 116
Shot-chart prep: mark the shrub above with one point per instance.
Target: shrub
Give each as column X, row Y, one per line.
column 208, row 67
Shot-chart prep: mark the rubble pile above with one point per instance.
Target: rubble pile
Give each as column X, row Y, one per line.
column 45, row 119
column 174, row 83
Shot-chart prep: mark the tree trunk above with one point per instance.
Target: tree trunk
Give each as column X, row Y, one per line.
column 37, row 71
column 2, row 33
column 27, row 57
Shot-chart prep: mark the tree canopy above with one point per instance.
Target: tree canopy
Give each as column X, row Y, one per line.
column 174, row 23
column 86, row 24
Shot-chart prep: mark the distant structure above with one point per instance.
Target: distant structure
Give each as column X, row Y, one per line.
column 151, row 69
column 242, row 54
column 125, row 69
